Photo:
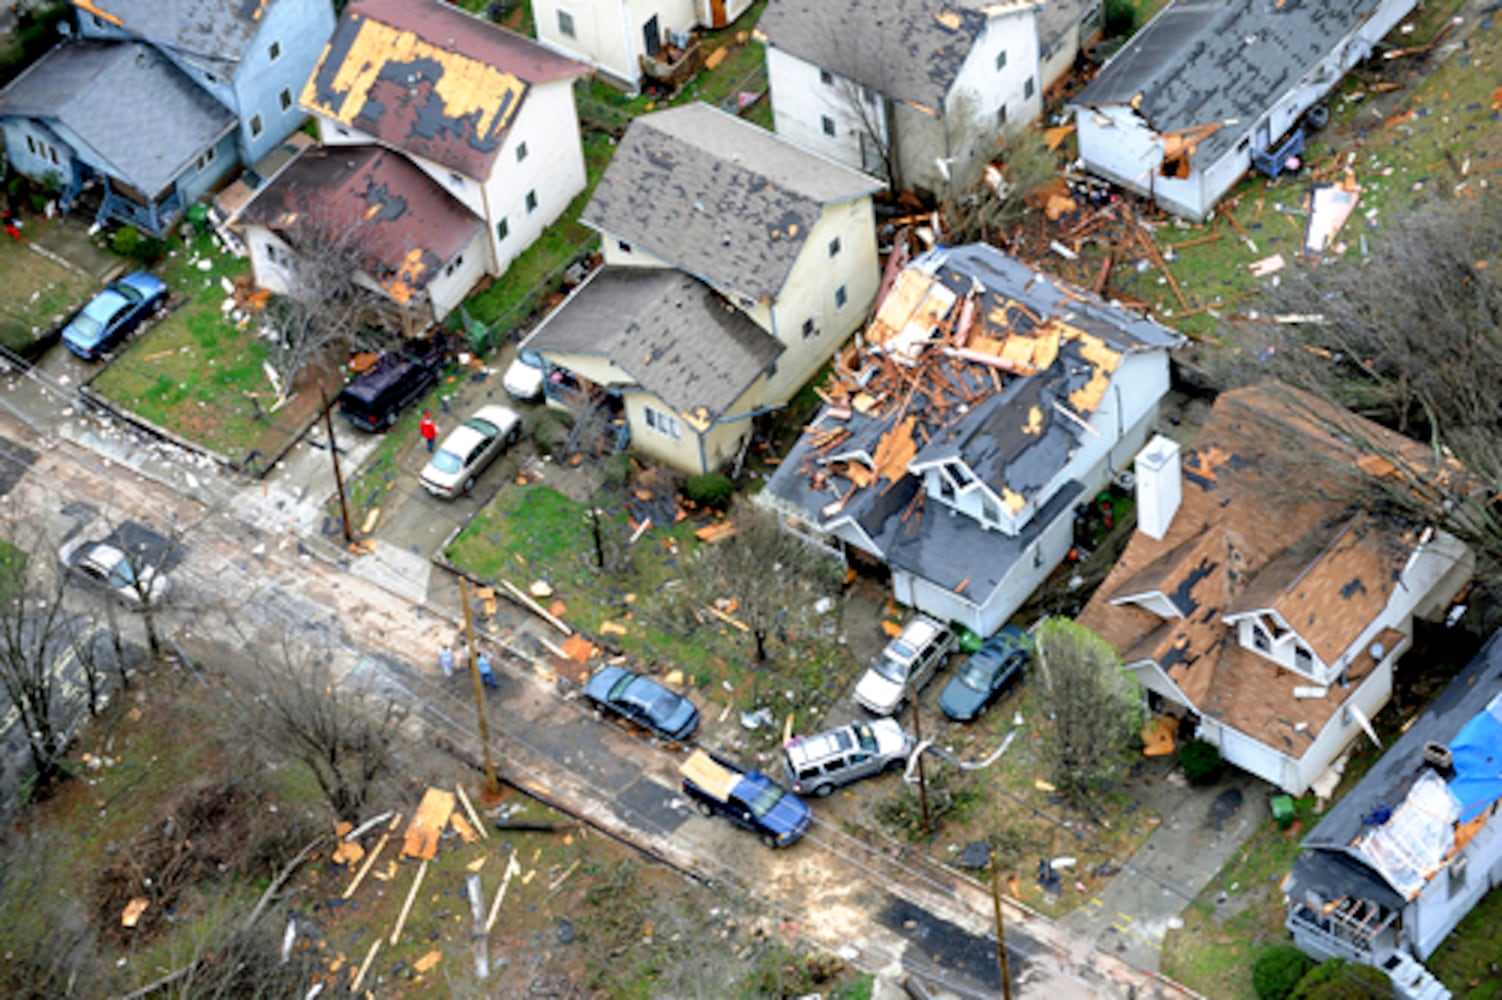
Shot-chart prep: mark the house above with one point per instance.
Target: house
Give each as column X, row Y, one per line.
column 1205, row 90
column 735, row 264
column 1066, row 30
column 157, row 101
column 373, row 208
column 1396, row 864
column 620, row 38
column 487, row 114
column 918, row 92
column 981, row 405
column 1258, row 599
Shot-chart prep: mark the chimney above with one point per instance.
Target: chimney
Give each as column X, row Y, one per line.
column 1159, row 486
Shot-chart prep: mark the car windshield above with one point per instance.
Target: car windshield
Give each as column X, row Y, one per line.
column 87, row 326
column 866, row 737
column 121, row 575
column 447, row 461
column 618, row 689
column 765, row 800
column 890, row 669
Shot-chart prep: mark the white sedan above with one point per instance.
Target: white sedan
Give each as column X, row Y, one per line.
column 468, row 449
column 524, row 376
column 104, row 565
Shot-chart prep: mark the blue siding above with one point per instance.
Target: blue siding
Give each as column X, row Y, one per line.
column 35, row 158
column 301, row 28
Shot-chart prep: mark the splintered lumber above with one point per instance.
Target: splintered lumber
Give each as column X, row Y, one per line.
column 719, row 531
column 370, row 955
column 428, row 823
column 365, row 868
column 463, row 829
column 722, row 616
column 512, row 868
column 535, row 608
column 401, row 919
column 478, row 939
column 1152, row 251
column 469, row 810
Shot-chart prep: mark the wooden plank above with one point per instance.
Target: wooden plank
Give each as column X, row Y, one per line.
column 401, row 920
column 365, row 868
column 469, row 809
column 428, row 823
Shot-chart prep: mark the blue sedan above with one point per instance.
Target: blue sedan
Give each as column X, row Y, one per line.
column 113, row 313
column 991, row 670
column 643, row 701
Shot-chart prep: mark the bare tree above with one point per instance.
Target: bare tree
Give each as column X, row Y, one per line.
column 344, row 736
column 991, row 208
column 50, row 943
column 1410, row 337
column 774, row 575
column 1093, row 705
column 35, row 642
column 591, row 447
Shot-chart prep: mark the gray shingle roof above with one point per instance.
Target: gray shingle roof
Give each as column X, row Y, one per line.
column 1059, row 16
column 670, row 332
column 128, row 102
column 909, row 50
column 1203, row 61
column 717, row 196
column 219, row 29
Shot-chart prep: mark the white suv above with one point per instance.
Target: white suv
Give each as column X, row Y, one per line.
column 906, row 664
column 816, row 765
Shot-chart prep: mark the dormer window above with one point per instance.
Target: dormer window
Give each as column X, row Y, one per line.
column 1303, row 660
column 1261, row 640
column 989, row 511
column 960, row 474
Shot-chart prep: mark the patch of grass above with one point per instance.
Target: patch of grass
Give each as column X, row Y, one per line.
column 39, row 293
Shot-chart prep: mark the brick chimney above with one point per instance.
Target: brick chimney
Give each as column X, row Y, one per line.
column 1159, row 486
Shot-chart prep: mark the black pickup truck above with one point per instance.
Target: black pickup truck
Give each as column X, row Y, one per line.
column 749, row 799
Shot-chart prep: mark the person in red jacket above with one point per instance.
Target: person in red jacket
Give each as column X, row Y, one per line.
column 428, row 429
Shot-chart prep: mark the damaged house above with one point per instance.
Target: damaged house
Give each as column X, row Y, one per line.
column 153, row 103
column 921, row 92
column 486, row 114
column 1210, row 88
column 631, row 39
column 981, row 405
column 1394, row 866
column 1259, row 599
column 735, row 264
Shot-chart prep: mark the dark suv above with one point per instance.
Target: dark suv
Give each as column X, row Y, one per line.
column 374, row 399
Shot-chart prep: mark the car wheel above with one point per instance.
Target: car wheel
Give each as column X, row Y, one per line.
column 896, row 764
column 704, row 808
column 769, row 840
column 390, row 420
column 823, row 791
column 469, row 484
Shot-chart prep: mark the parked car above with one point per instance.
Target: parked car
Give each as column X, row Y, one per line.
column 374, row 399
column 469, row 448
column 114, row 313
column 102, row 565
column 816, row 765
column 906, row 664
column 749, row 799
column 991, row 670
column 523, row 377
column 643, row 701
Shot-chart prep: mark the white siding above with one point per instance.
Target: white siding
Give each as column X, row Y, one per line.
column 981, row 90
column 447, row 290
column 801, row 101
column 609, row 34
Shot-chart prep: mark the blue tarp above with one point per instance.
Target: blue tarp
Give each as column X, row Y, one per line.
column 1477, row 753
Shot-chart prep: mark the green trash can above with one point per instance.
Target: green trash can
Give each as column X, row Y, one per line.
column 198, row 215
column 1283, row 814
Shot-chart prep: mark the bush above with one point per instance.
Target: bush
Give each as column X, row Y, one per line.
column 548, row 429
column 131, row 243
column 713, row 490
column 1120, row 19
column 1338, row 979
column 618, row 469
column 1200, row 761
column 1278, row 970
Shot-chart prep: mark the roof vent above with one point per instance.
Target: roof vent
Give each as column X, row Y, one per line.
column 1438, row 756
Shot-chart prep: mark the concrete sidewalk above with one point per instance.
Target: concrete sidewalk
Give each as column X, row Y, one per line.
column 1202, row 828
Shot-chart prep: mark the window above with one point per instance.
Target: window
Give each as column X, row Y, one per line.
column 454, row 265
column 834, row 246
column 1260, row 639
column 274, row 50
column 31, row 145
column 826, row 78
column 625, row 247
column 255, row 125
column 286, row 98
column 210, row 77
column 827, row 123
column 868, row 95
column 809, row 329
column 566, row 23
column 1001, row 60
column 531, row 201
column 1027, row 88
column 840, row 298
column 521, row 152
column 501, row 229
column 662, row 423
column 52, row 154
column 1001, row 115
column 206, row 157
column 342, row 130
column 1303, row 659
column 456, row 180
column 989, row 510
column 1457, row 875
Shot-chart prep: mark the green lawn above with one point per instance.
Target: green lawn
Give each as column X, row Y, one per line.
column 39, row 292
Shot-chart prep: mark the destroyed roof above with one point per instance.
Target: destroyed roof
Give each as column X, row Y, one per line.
column 908, row 50
column 723, row 199
column 1205, row 61
column 1465, row 717
column 1263, row 521
column 971, row 355
column 112, row 95
column 406, row 226
column 217, row 29
column 431, row 80
column 670, row 332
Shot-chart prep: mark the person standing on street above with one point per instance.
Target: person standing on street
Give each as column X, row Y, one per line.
column 482, row 663
column 428, row 429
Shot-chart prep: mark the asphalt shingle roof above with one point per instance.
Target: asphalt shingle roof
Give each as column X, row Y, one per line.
column 219, row 29
column 718, row 196
column 127, row 102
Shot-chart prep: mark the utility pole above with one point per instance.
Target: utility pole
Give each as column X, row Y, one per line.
column 328, row 423
column 922, row 781
column 1001, row 937
column 492, row 790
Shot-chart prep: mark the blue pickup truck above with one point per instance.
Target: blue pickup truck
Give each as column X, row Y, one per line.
column 749, row 799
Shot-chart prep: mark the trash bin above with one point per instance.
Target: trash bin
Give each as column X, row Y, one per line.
column 1283, row 814
column 198, row 214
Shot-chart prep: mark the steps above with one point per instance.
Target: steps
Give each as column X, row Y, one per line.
column 1412, row 980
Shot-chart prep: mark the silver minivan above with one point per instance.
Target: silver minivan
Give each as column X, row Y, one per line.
column 906, row 664
column 818, row 764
